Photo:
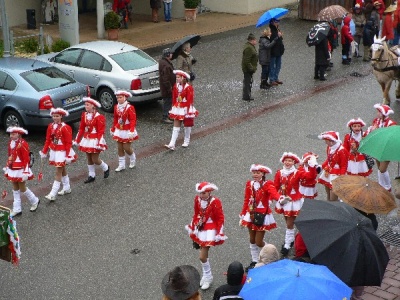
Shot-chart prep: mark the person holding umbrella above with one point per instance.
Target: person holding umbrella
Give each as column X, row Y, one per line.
column 18, row 171
column 276, row 52
column 185, row 60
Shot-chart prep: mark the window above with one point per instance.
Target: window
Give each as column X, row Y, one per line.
column 91, row 60
column 46, row 78
column 7, row 82
column 133, row 60
column 68, row 57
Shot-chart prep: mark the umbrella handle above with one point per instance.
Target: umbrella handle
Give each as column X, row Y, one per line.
column 398, row 171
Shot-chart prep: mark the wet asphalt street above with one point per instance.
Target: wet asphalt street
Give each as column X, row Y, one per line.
column 118, row 237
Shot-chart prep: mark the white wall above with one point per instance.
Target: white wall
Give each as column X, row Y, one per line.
column 16, row 11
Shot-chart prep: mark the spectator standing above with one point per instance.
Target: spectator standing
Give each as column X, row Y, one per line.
column 234, row 278
column 155, row 6
column 387, row 27
column 359, row 21
column 185, row 61
column 182, row 283
column 276, row 52
column 249, row 66
column 396, row 24
column 333, row 39
column 167, row 10
column 264, row 55
column 370, row 30
column 18, row 171
column 380, row 7
column 346, row 40
column 322, row 58
column 167, row 81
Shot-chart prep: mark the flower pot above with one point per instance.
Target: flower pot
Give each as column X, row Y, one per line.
column 190, row 14
column 112, row 34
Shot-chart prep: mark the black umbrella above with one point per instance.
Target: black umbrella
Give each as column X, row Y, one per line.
column 317, row 34
column 342, row 239
column 192, row 39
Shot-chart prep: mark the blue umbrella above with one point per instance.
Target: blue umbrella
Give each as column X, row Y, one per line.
column 273, row 13
column 289, row 279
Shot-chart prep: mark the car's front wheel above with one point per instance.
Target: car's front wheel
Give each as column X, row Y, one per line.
column 107, row 99
column 12, row 118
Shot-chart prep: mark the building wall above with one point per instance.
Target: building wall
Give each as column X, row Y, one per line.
column 16, row 11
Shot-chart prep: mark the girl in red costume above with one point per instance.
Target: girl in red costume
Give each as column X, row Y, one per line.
column 17, row 170
column 382, row 120
column 257, row 196
column 357, row 164
column 207, row 227
column 90, row 138
column 123, row 130
column 335, row 163
column 182, row 109
column 59, row 144
column 287, row 182
column 308, row 187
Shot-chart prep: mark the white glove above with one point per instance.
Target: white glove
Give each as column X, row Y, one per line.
column 285, row 200
column 312, row 162
column 75, row 143
column 68, row 160
column 218, row 238
column 42, row 155
column 5, row 169
column 24, row 177
column 131, row 135
column 187, row 228
column 111, row 133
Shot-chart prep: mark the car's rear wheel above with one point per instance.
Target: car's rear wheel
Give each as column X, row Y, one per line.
column 12, row 118
column 107, row 99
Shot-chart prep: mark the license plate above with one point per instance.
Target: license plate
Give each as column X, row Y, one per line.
column 154, row 81
column 71, row 100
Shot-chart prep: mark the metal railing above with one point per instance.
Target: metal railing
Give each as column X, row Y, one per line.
column 40, row 35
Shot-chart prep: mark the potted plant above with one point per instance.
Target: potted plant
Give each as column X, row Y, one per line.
column 112, row 22
column 191, row 9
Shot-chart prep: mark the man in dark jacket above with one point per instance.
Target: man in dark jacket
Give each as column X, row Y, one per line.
column 235, row 282
column 167, row 81
column 322, row 58
column 264, row 55
column 249, row 65
column 276, row 53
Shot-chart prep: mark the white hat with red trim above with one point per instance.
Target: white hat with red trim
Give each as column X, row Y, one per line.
column 384, row 109
column 123, row 93
column 92, row 101
column 290, row 155
column 261, row 168
column 355, row 121
column 306, row 156
column 17, row 129
column 206, row 187
column 330, row 136
column 58, row 111
column 182, row 73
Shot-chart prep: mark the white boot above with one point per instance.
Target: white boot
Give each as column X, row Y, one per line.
column 255, row 252
column 289, row 238
column 207, row 278
column 384, row 180
column 121, row 164
column 17, row 209
column 92, row 170
column 33, row 200
column 132, row 158
column 66, row 187
column 174, row 137
column 54, row 189
column 186, row 139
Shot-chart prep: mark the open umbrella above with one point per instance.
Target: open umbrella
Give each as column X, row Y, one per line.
column 382, row 144
column 339, row 237
column 364, row 194
column 274, row 13
column 331, row 12
column 192, row 39
column 317, row 34
column 289, row 279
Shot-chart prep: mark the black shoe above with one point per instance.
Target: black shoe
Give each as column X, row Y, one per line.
column 107, row 172
column 90, row 179
column 345, row 62
column 331, row 64
column 251, row 266
column 248, row 99
column 322, row 79
column 316, row 77
column 284, row 251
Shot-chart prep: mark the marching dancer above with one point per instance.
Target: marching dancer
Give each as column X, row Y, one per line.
column 357, row 164
column 123, row 130
column 256, row 213
column 59, row 144
column 182, row 110
column 90, row 138
column 18, row 171
column 335, row 164
column 207, row 227
column 383, row 120
column 287, row 182
column 308, row 187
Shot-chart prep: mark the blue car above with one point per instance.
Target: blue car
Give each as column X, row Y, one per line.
column 30, row 88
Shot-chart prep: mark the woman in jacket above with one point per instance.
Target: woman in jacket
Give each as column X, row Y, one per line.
column 264, row 55
column 277, row 51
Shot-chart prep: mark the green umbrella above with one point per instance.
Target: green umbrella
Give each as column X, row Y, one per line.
column 382, row 144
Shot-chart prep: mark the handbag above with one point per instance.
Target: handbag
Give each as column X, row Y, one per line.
column 188, row 122
column 258, row 219
column 370, row 161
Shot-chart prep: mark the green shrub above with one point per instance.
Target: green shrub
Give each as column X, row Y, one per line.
column 191, row 3
column 59, row 45
column 46, row 50
column 111, row 20
column 30, row 45
column 1, row 48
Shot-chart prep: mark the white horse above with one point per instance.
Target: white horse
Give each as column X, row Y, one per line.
column 386, row 67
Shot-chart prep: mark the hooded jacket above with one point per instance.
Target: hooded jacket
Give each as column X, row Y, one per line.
column 345, row 31
column 234, row 279
column 268, row 254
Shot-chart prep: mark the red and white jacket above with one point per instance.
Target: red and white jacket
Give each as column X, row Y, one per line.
column 380, row 123
column 18, row 156
column 184, row 98
column 124, row 120
column 93, row 129
column 56, row 133
column 336, row 162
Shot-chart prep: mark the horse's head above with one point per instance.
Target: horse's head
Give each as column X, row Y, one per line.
column 378, row 49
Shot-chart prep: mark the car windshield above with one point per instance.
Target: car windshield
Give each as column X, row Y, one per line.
column 47, row 78
column 133, row 60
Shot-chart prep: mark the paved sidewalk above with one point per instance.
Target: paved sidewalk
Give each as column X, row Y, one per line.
column 145, row 34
